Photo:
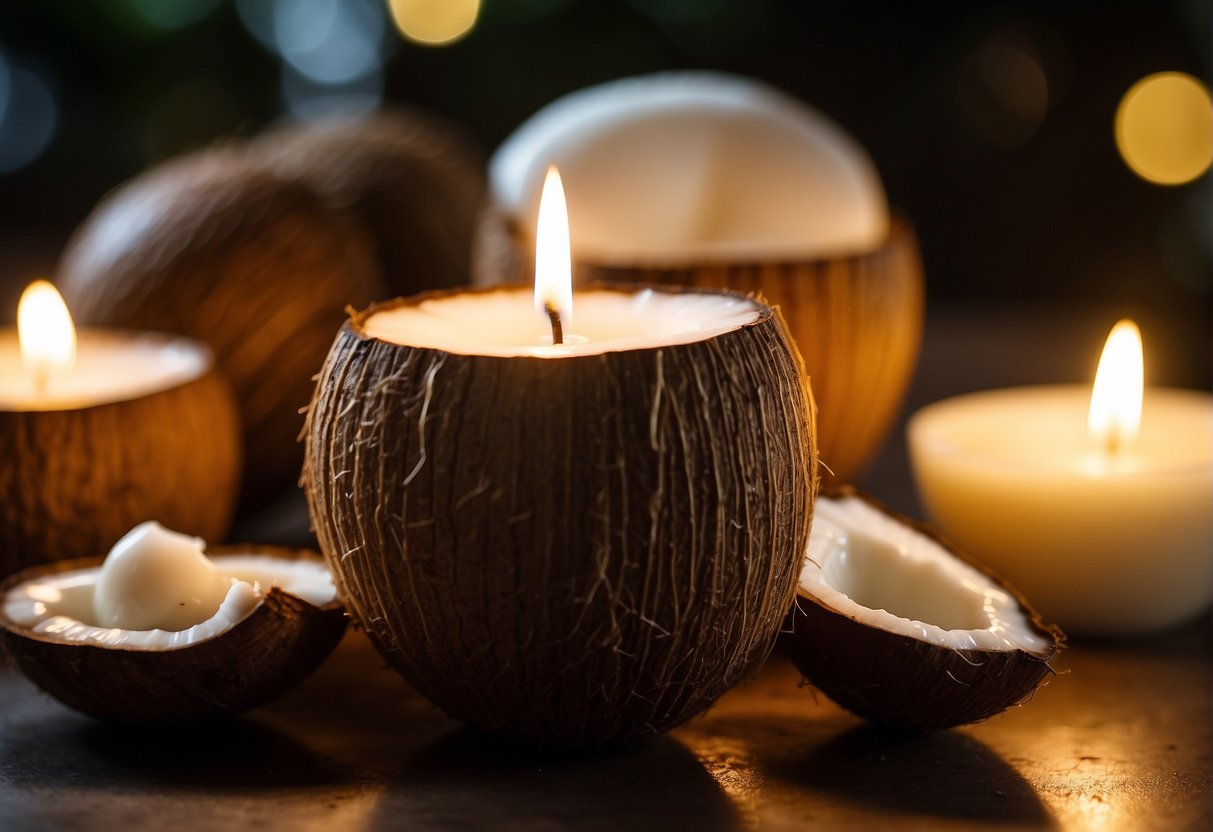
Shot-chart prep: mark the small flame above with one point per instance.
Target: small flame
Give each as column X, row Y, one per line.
column 45, row 330
column 553, row 262
column 1115, row 414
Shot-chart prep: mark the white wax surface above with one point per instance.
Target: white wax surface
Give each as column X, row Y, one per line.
column 1101, row 543
column 694, row 165
column 504, row 322
column 111, row 366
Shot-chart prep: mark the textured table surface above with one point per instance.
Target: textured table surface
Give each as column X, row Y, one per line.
column 1119, row 740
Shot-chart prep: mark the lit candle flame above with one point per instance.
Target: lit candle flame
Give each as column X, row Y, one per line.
column 46, row 332
column 553, row 262
column 1115, row 414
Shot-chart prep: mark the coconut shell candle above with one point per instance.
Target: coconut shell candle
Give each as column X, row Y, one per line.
column 104, row 429
column 711, row 180
column 574, row 543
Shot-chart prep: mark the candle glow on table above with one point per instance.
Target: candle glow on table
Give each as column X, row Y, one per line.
column 47, row 365
column 1097, row 504
column 515, row 322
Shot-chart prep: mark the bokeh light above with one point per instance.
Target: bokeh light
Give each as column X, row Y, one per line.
column 29, row 115
column 330, row 41
column 434, row 22
column 1164, row 128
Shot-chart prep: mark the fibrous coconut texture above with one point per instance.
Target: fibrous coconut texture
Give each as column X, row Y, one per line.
column 896, row 626
column 575, row 551
column 218, row 668
column 415, row 182
column 215, row 246
column 74, row 481
column 714, row 180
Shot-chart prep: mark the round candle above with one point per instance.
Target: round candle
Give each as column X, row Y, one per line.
column 1106, row 533
column 103, row 429
column 110, row 366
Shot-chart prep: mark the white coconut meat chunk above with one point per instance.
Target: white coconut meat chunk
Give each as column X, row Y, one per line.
column 866, row 565
column 61, row 606
column 694, row 166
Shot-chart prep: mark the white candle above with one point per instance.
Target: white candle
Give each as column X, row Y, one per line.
column 59, row 369
column 1107, row 528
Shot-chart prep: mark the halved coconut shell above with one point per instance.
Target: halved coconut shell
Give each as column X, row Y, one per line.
column 258, row 658
column 894, row 625
column 577, row 551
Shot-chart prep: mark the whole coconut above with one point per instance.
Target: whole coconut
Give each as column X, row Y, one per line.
column 415, row 182
column 216, row 246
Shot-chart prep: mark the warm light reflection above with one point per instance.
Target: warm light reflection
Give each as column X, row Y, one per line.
column 1115, row 414
column 434, row 22
column 45, row 330
column 1164, row 128
column 553, row 263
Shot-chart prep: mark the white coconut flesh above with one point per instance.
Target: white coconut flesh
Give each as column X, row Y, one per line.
column 71, row 607
column 701, row 166
column 866, row 565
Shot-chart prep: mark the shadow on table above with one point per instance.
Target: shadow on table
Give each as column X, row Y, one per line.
column 468, row 780
column 234, row 755
column 940, row 774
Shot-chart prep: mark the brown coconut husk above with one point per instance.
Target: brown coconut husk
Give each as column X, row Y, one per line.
column 903, row 682
column 577, row 552
column 215, row 246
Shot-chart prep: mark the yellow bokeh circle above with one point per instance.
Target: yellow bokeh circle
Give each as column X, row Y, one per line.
column 434, row 22
column 1164, row 128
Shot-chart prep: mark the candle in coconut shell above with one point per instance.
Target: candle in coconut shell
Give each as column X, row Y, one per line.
column 104, row 429
column 707, row 179
column 575, row 543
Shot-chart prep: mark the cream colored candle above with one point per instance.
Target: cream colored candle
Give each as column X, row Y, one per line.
column 1106, row 527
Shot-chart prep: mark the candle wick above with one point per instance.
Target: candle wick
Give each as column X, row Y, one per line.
column 554, row 318
column 1112, row 441
column 42, row 379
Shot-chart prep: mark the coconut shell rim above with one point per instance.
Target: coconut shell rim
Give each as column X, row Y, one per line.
column 901, row 231
column 274, row 600
column 1055, row 635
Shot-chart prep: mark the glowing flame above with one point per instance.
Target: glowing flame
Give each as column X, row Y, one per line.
column 1115, row 414
column 45, row 330
column 553, row 262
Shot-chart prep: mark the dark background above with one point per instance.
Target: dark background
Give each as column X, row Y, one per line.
column 992, row 123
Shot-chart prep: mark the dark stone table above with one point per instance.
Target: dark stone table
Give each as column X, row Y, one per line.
column 1119, row 740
